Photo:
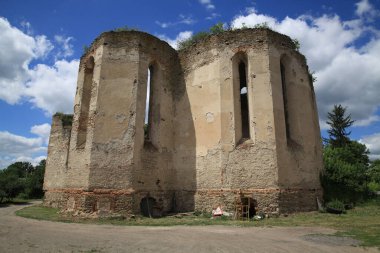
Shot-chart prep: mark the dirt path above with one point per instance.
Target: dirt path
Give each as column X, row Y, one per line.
column 26, row 235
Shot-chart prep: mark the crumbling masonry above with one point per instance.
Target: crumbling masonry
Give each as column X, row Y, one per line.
column 233, row 114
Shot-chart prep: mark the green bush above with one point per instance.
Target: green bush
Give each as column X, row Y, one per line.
column 336, row 204
column 373, row 186
column 67, row 119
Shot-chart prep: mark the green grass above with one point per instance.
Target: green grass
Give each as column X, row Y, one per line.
column 361, row 223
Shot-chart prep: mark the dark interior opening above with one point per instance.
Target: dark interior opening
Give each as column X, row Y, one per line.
column 249, row 206
column 150, row 207
column 146, row 206
column 244, row 100
column 285, row 99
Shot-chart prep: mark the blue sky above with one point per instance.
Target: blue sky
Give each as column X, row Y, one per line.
column 41, row 42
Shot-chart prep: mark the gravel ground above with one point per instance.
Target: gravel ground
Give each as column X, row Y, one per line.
column 18, row 234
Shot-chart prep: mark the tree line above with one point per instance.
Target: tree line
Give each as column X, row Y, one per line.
column 22, row 180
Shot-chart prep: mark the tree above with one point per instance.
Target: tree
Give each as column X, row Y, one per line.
column 338, row 122
column 346, row 161
column 10, row 184
column 374, row 176
column 22, row 179
column 34, row 183
column 346, row 171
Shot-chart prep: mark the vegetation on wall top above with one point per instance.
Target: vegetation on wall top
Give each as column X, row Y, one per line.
column 67, row 119
column 220, row 28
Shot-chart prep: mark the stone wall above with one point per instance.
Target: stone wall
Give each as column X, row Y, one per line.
column 195, row 154
column 58, row 151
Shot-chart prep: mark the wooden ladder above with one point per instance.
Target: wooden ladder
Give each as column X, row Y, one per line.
column 242, row 207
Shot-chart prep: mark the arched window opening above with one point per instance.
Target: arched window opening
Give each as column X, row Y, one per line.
column 285, row 97
column 85, row 103
column 148, row 104
column 244, row 100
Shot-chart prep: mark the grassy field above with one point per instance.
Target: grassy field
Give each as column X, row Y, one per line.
column 362, row 222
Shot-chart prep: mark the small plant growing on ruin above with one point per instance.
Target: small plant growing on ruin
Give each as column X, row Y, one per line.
column 125, row 28
column 263, row 25
column 146, row 134
column 217, row 28
column 296, row 44
column 86, row 49
column 312, row 77
column 192, row 40
column 67, row 119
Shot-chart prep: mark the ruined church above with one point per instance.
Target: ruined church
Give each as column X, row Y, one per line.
column 232, row 115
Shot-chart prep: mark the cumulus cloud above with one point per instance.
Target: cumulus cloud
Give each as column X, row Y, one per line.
column 365, row 9
column 208, row 4
column 346, row 73
column 42, row 84
column 373, row 144
column 21, row 49
column 15, row 148
column 48, row 83
column 180, row 37
column 42, row 131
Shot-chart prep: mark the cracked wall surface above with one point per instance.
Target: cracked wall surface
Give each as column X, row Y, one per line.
column 195, row 157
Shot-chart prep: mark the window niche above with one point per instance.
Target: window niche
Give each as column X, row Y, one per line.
column 85, row 103
column 284, row 62
column 241, row 94
column 149, row 104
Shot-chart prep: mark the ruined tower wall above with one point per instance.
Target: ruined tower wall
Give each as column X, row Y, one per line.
column 298, row 152
column 226, row 164
column 56, row 162
column 82, row 134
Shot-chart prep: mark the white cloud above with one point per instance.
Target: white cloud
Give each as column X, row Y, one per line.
column 26, row 27
column 345, row 74
column 373, row 144
column 163, row 24
column 52, row 88
column 66, row 48
column 182, row 19
column 42, row 47
column 43, row 131
column 20, row 50
column 208, row 4
column 42, row 84
column 15, row 148
column 366, row 10
column 213, row 16
column 180, row 37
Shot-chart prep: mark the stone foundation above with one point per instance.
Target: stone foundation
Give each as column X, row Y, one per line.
column 270, row 201
column 106, row 202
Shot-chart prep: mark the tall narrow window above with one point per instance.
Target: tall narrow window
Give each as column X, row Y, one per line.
column 285, row 98
column 244, row 101
column 85, row 103
column 148, row 104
